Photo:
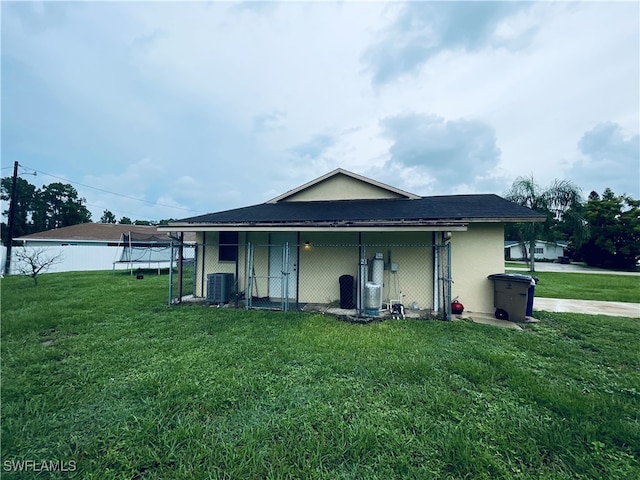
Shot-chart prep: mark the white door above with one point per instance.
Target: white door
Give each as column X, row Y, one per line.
column 277, row 270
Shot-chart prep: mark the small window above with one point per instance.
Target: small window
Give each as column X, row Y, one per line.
column 539, row 250
column 228, row 247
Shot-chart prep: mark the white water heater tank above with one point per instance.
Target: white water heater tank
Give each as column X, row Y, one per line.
column 372, row 298
column 377, row 272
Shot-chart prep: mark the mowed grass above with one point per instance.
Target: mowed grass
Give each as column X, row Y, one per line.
column 585, row 286
column 97, row 370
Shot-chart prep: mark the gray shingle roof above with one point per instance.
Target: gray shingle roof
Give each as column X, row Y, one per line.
column 92, row 232
column 451, row 208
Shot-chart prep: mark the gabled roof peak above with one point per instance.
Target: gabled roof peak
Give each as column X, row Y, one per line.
column 396, row 192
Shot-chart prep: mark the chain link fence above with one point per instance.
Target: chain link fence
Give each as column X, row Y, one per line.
column 182, row 274
column 362, row 280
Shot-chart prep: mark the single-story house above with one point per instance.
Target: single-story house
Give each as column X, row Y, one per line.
column 542, row 250
column 344, row 237
column 98, row 246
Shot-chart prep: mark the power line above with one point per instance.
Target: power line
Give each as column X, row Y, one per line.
column 114, row 193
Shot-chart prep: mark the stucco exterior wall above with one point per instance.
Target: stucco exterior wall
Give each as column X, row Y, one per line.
column 207, row 261
column 475, row 254
column 413, row 254
column 341, row 187
column 329, row 256
column 260, row 240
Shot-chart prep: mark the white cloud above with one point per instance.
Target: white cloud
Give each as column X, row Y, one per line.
column 422, row 30
column 454, row 152
column 610, row 159
column 235, row 103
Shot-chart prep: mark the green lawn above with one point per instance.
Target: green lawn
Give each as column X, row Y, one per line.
column 587, row 286
column 584, row 286
column 98, row 371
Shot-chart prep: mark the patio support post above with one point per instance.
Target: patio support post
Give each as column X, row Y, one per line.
column 180, row 261
column 248, row 288
column 171, row 276
column 436, row 273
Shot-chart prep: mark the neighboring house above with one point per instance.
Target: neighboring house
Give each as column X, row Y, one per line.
column 298, row 247
column 542, row 250
column 92, row 246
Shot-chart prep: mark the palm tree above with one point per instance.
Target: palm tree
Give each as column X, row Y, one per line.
column 554, row 201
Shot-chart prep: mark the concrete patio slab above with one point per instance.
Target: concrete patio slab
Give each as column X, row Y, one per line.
column 488, row 319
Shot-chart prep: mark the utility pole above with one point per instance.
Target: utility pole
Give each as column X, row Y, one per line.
column 12, row 208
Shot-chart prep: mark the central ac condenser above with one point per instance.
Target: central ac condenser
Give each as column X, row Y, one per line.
column 219, row 287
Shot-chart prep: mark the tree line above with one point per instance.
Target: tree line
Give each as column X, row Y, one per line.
column 52, row 206
column 38, row 209
column 109, row 217
column 604, row 231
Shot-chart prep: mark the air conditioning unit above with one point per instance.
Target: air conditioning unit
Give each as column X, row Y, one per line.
column 219, row 287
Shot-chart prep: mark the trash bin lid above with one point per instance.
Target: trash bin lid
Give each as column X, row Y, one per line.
column 511, row 277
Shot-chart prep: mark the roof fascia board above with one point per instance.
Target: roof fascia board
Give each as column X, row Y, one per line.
column 504, row 220
column 338, row 171
column 355, row 228
column 203, row 227
column 61, row 240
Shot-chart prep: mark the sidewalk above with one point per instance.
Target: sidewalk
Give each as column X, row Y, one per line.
column 568, row 268
column 590, row 307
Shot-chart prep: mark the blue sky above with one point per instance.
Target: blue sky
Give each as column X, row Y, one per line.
column 205, row 106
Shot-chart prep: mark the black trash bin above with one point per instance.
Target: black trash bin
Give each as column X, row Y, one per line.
column 513, row 296
column 346, row 292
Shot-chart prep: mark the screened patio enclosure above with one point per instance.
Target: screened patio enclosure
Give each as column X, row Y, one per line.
column 416, row 276
column 286, row 271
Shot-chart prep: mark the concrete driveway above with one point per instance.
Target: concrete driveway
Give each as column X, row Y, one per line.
column 590, row 307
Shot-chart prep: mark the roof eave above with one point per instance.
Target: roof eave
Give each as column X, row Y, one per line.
column 334, row 226
column 505, row 219
column 62, row 240
column 202, row 226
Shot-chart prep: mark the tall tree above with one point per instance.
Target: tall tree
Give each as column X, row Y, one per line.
column 108, row 217
column 62, row 206
column 25, row 204
column 52, row 206
column 125, row 221
column 614, row 231
column 557, row 201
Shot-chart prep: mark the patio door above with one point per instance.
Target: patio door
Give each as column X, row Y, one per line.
column 283, row 265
